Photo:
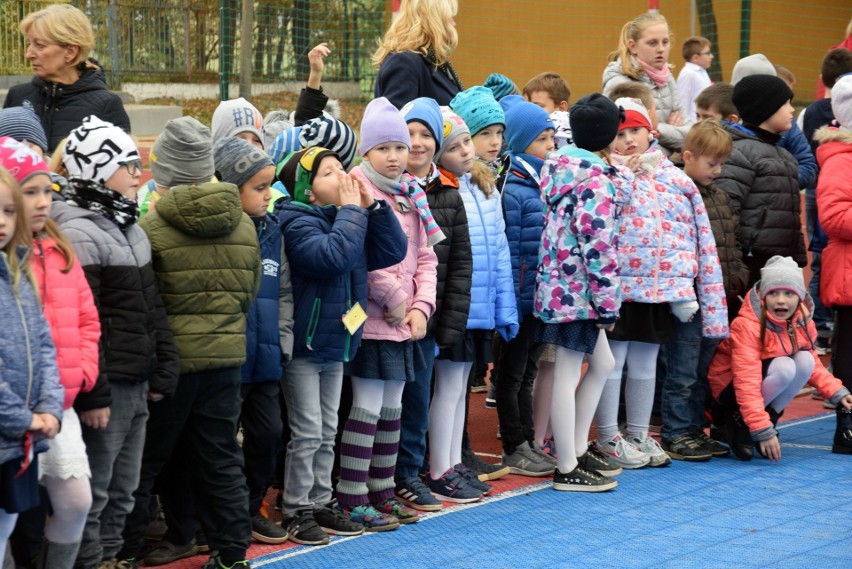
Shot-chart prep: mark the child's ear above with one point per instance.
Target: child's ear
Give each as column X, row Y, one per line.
column 687, row 156
column 563, row 106
column 733, row 118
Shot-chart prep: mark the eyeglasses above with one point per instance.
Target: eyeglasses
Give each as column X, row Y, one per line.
column 133, row 166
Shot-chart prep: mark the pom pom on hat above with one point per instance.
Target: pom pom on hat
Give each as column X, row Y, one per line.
column 524, row 122
column 237, row 160
column 23, row 125
column 635, row 114
column 426, row 110
column 182, row 154
column 96, row 149
column 382, row 123
column 453, row 127
column 501, row 86
column 781, row 273
column 298, row 171
column 594, row 122
column 20, row 160
column 758, row 97
column 235, row 117
column 478, row 108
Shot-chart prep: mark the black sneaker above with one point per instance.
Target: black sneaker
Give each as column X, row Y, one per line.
column 167, row 552
column 715, row 448
column 265, row 530
column 686, row 448
column 332, row 520
column 216, row 562
column 491, row 398
column 302, row 528
column 485, row 471
column 595, row 460
column 582, row 480
column 472, row 478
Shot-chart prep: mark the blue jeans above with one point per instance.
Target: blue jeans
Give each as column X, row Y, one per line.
column 685, row 385
column 311, row 389
column 415, row 416
column 115, row 458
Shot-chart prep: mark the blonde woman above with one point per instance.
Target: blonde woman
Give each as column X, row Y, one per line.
column 68, row 85
column 414, row 56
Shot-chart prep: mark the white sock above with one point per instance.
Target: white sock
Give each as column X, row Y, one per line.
column 639, row 390
column 606, row 416
column 450, row 382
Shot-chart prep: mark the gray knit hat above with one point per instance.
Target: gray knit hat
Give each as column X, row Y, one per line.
column 182, row 154
column 23, row 125
column 238, row 160
column 781, row 273
column 755, row 64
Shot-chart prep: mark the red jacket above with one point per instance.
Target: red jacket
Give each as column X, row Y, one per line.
column 834, row 203
column 70, row 311
column 740, row 359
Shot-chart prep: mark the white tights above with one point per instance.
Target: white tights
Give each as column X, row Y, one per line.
column 7, row 526
column 784, row 378
column 446, row 415
column 71, row 500
column 373, row 394
column 641, row 359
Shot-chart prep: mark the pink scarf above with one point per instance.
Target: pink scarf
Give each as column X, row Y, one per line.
column 658, row 76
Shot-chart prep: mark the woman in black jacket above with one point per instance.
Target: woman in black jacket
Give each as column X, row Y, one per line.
column 67, row 86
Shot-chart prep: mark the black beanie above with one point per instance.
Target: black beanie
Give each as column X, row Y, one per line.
column 758, row 97
column 297, row 174
column 594, row 122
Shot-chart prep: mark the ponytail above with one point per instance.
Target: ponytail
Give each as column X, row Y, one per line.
column 632, row 30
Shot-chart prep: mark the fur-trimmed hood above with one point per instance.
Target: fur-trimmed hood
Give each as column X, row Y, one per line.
column 833, row 141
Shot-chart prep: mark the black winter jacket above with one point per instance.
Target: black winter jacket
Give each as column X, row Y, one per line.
column 762, row 181
column 726, row 227
column 62, row 108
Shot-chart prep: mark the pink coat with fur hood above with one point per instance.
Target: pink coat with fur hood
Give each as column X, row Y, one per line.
column 413, row 281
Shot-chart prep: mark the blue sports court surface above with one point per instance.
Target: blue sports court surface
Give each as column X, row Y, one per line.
column 717, row 514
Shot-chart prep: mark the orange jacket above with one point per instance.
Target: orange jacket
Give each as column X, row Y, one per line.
column 740, row 359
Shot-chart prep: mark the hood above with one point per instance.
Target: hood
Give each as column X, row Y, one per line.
column 753, row 306
column 519, row 174
column 832, row 141
column 445, row 179
column 568, row 168
column 289, row 210
column 205, row 210
column 738, row 131
column 62, row 213
column 90, row 80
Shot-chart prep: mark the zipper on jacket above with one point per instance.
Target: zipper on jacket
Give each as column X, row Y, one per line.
column 659, row 241
column 313, row 322
column 348, row 342
column 492, row 321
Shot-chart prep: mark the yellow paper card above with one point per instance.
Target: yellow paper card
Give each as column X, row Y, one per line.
column 354, row 318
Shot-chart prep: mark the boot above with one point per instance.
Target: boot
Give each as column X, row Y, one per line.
column 718, row 419
column 843, row 434
column 57, row 555
column 738, row 435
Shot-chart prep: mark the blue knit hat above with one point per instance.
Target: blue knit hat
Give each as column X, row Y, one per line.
column 478, row 108
column 23, row 125
column 501, row 86
column 285, row 144
column 524, row 122
column 426, row 110
column 325, row 131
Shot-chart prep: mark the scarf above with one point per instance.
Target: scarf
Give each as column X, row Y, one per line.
column 428, row 178
column 764, row 135
column 100, row 199
column 403, row 190
column 648, row 161
column 658, row 76
column 446, row 68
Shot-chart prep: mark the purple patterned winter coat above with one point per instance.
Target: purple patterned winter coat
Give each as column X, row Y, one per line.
column 666, row 248
column 577, row 276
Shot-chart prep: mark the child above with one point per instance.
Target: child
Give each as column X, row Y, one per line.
column 705, row 149
column 31, row 393
column 579, row 263
column 326, row 132
column 492, row 307
column 766, row 361
column 335, row 232
column 484, row 116
column 761, row 177
column 239, row 118
column 269, row 327
column 633, row 90
column 75, row 329
column 668, row 265
column 642, row 55
column 835, row 160
column 23, row 125
column 551, row 92
column 716, row 102
column 139, row 361
column 500, row 86
column 400, row 300
column 693, row 78
column 529, row 133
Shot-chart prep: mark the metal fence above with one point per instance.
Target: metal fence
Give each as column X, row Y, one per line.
column 196, row 40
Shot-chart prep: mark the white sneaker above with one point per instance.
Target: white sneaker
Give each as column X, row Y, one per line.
column 622, row 453
column 648, row 445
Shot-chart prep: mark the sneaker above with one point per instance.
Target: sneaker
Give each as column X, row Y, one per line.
column 201, row 542
column 477, row 384
column 491, row 398
column 687, row 448
column 648, row 445
column 394, row 508
column 549, row 457
column 303, row 528
column 216, row 562
column 331, row 519
column 265, row 530
column 821, row 346
column 621, row 453
column 107, row 564
column 527, row 462
column 472, row 478
column 485, row 471
column 595, row 460
column 452, row 487
column 582, row 480
column 414, row 493
column 126, row 563
column 372, row 520
column 714, row 447
column 167, row 552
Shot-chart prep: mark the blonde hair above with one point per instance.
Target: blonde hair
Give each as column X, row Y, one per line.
column 63, row 25
column 634, row 90
column 421, row 25
column 21, row 237
column 55, row 163
column 482, row 175
column 633, row 30
column 708, row 138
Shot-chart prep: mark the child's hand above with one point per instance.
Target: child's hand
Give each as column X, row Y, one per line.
column 633, row 162
column 416, row 321
column 395, row 315
column 366, row 195
column 770, row 448
column 349, row 193
column 37, row 424
column 317, row 64
column 95, row 418
column 846, row 401
column 50, row 426
column 675, row 119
